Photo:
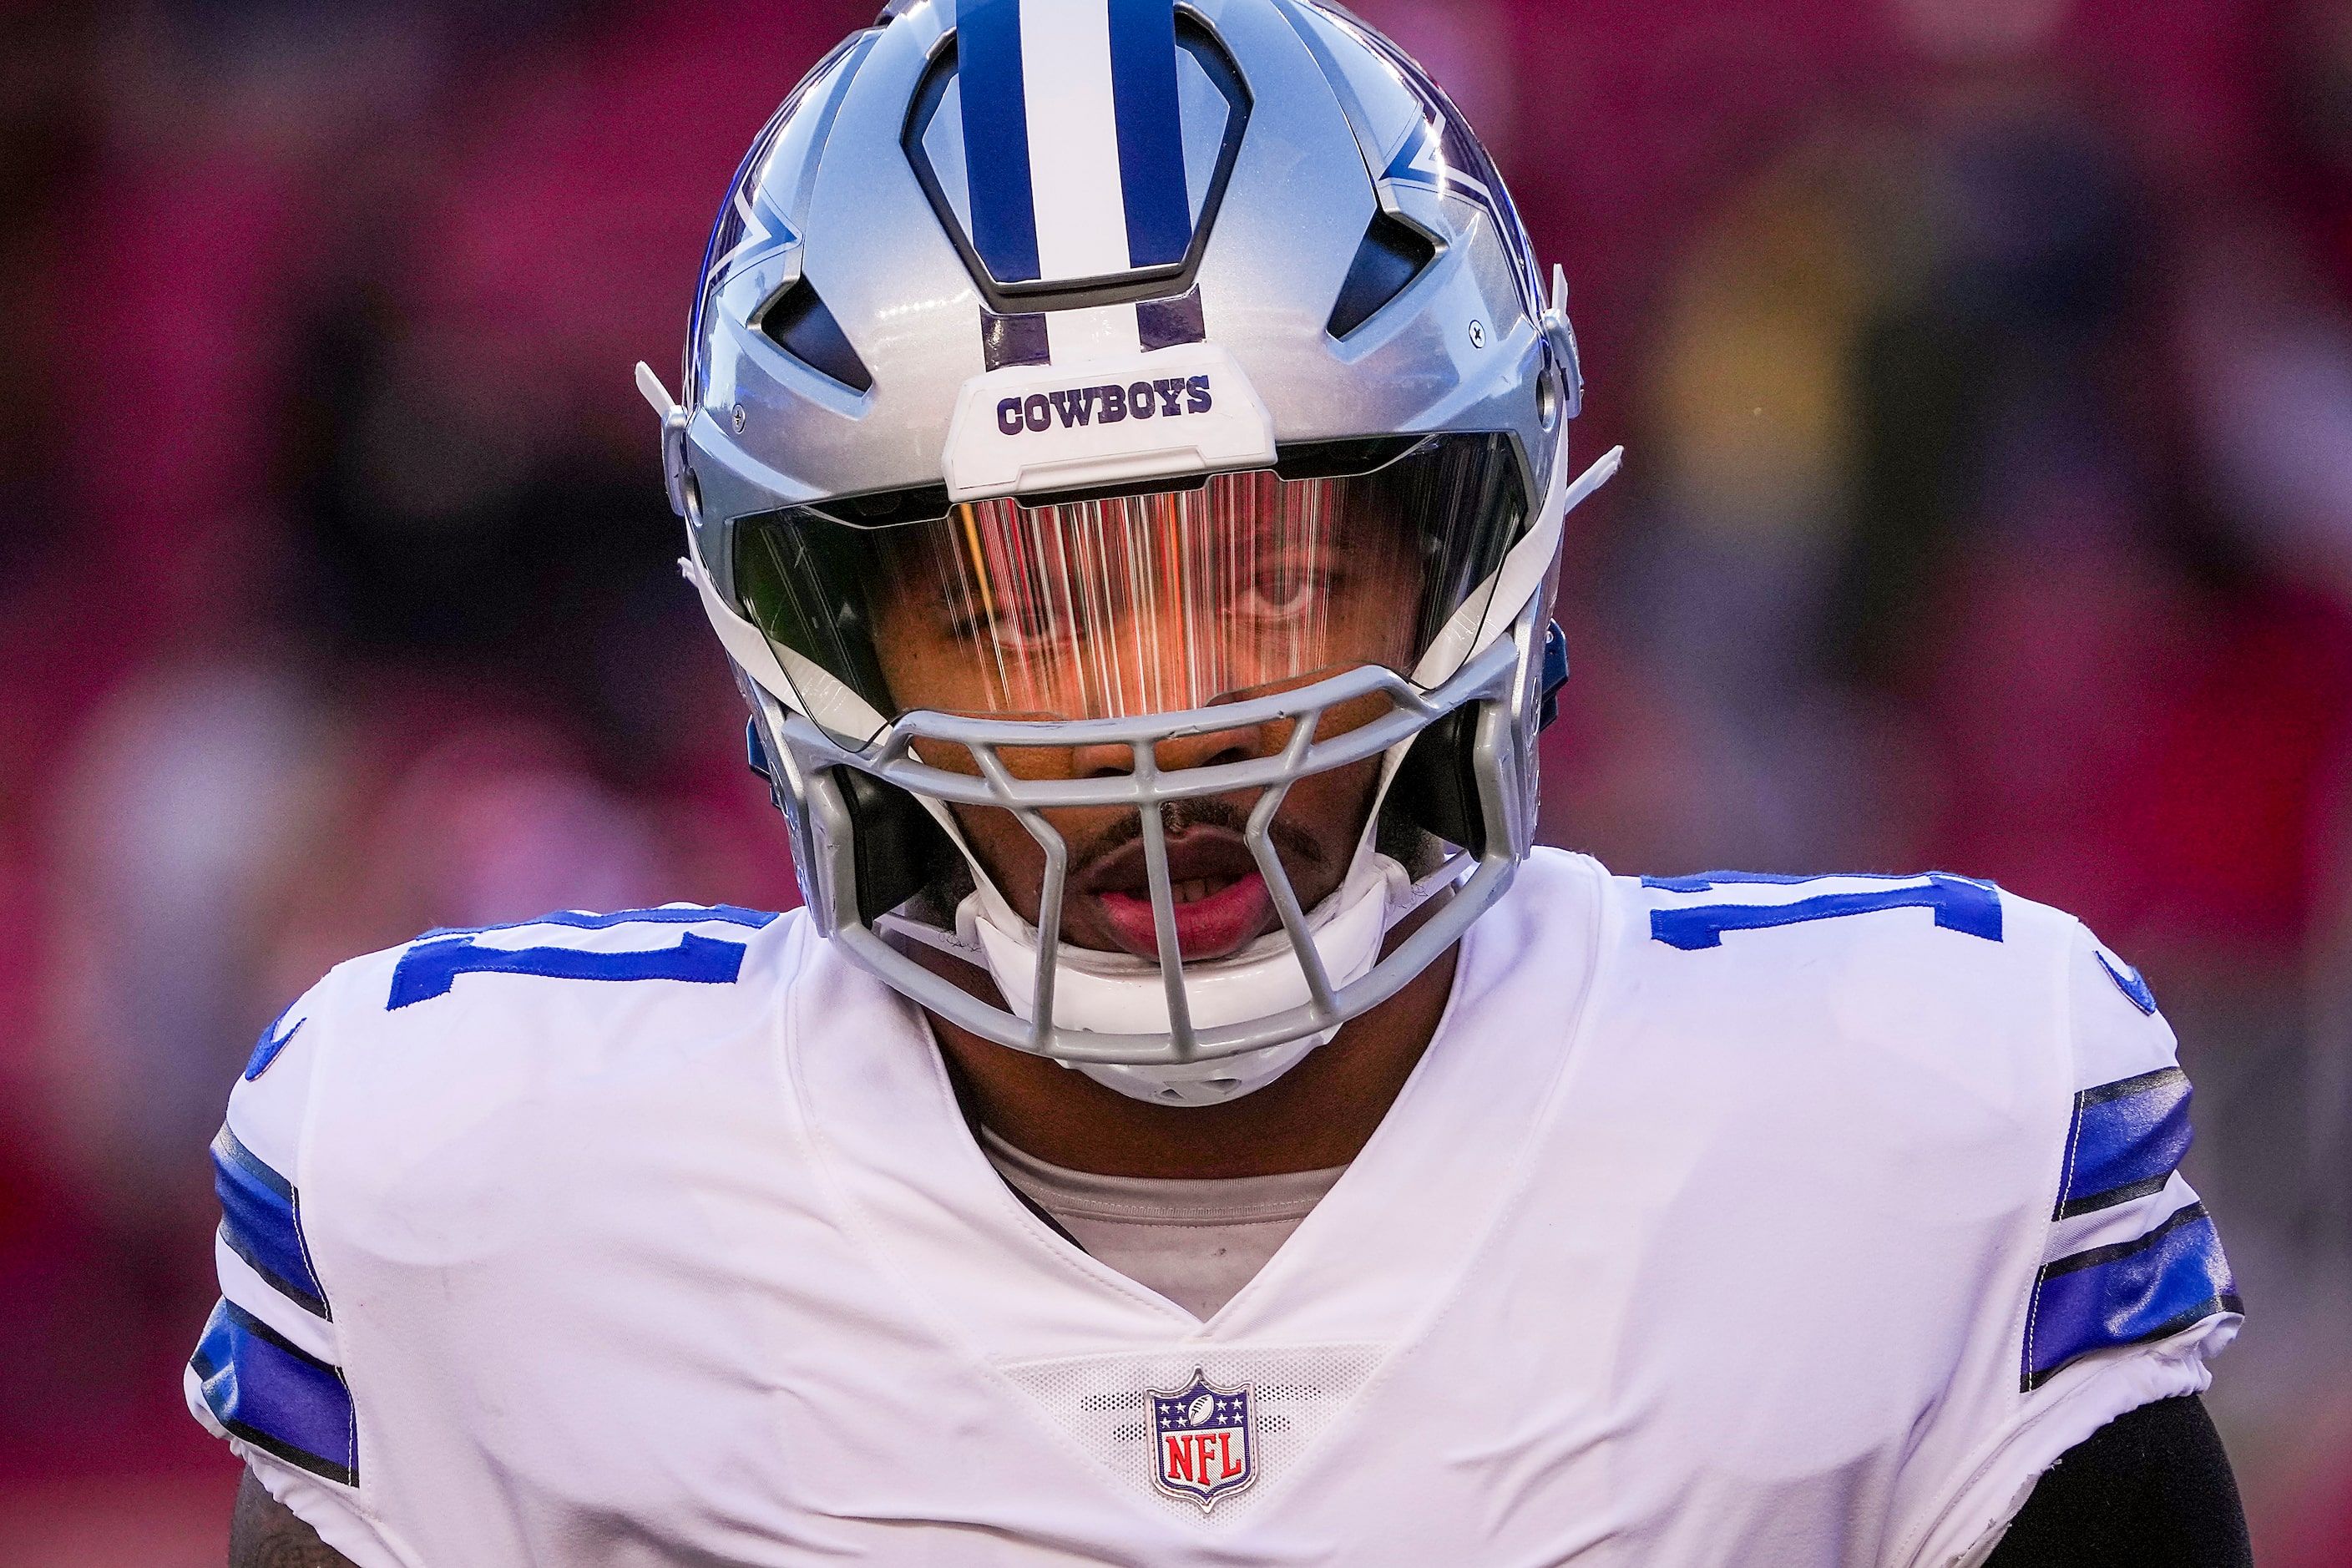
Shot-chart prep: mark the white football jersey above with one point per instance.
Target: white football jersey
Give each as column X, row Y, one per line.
column 1727, row 1219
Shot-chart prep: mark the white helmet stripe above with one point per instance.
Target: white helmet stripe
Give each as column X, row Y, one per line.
column 1073, row 137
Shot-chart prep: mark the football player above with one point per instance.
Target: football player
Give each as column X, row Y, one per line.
column 1123, row 450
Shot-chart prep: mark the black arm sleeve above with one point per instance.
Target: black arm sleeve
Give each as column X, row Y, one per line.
column 2152, row 1488
column 265, row 1533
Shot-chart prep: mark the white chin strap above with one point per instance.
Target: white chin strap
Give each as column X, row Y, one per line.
column 1115, row 993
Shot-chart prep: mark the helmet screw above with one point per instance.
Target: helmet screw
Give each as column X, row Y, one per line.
column 1478, row 339
column 739, row 420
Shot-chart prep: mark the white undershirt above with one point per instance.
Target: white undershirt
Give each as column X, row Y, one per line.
column 1194, row 1241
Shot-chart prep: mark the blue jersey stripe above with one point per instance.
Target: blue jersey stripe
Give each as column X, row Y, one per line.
column 1151, row 132
column 260, row 1221
column 277, row 1397
column 996, row 138
column 2125, row 1294
column 2128, row 1137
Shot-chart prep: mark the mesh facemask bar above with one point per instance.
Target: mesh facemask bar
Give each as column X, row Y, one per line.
column 895, row 759
column 1049, row 894
column 1166, row 601
column 1278, row 881
column 1496, row 682
column 1163, row 908
column 1497, row 677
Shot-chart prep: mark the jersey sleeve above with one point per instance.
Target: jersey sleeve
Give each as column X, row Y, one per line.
column 266, row 1375
column 2133, row 1294
column 2133, row 1263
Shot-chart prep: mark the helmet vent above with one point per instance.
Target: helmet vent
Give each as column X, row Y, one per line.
column 1392, row 255
column 798, row 324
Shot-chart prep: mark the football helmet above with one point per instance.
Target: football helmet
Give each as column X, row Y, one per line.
column 1075, row 377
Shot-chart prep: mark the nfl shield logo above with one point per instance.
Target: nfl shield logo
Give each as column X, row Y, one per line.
column 1202, row 1441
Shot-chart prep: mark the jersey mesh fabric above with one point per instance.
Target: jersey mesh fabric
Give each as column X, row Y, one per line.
column 1296, row 1394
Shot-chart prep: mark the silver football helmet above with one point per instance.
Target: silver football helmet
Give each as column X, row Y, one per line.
column 1081, row 378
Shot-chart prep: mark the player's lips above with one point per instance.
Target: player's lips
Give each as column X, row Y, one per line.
column 1221, row 903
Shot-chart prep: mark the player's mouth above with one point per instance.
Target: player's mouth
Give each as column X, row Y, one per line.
column 1222, row 903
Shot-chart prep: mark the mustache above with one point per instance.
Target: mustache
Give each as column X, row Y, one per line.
column 1178, row 816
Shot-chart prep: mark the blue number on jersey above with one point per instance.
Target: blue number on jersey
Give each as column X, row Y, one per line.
column 429, row 968
column 1961, row 904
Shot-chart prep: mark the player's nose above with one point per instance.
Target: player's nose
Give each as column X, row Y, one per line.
column 1236, row 743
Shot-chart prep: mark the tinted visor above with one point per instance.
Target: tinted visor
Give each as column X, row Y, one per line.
column 1343, row 554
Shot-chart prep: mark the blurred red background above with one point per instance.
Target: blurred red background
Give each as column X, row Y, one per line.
column 1985, row 368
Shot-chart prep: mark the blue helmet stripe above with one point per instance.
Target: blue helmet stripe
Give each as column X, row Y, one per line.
column 996, row 138
column 1151, row 132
